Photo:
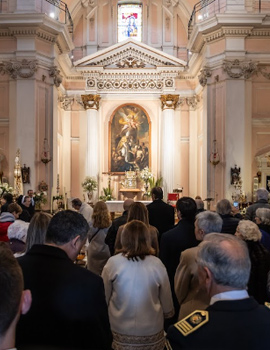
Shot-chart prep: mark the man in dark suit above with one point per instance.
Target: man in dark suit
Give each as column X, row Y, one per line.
column 121, row 220
column 161, row 214
column 233, row 320
column 69, row 307
column 178, row 239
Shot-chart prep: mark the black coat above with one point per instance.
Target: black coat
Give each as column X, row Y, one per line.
column 172, row 244
column 161, row 215
column 229, row 224
column 232, row 325
column 111, row 235
column 68, row 307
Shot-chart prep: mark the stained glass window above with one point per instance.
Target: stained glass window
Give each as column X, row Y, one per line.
column 129, row 22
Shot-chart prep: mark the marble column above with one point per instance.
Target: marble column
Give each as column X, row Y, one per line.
column 168, row 105
column 91, row 104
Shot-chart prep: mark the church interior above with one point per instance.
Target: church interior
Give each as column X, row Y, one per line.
column 101, row 88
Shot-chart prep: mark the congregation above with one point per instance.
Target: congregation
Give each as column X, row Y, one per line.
column 202, row 283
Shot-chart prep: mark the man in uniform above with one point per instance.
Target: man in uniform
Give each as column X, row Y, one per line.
column 233, row 320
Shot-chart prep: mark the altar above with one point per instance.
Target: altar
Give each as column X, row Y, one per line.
column 130, row 193
column 117, row 206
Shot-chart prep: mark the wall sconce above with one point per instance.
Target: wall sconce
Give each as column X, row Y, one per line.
column 45, row 155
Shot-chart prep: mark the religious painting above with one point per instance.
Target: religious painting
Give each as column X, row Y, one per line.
column 129, row 22
column 129, row 142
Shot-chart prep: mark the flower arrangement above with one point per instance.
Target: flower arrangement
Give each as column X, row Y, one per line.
column 146, row 175
column 89, row 184
column 5, row 188
column 107, row 194
column 58, row 197
column 40, row 197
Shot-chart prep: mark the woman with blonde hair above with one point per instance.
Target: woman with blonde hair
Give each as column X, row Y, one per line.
column 138, row 211
column 137, row 291
column 37, row 229
column 98, row 252
column 249, row 232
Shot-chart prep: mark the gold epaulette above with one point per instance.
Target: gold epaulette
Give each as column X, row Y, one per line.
column 192, row 322
column 267, row 305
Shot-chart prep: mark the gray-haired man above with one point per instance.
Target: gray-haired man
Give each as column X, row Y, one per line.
column 233, row 320
column 186, row 283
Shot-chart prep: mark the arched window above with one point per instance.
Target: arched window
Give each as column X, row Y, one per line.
column 129, row 24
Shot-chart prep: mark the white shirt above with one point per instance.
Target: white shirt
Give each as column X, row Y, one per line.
column 86, row 210
column 230, row 295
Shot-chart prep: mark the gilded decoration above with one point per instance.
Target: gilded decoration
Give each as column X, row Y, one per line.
column 169, row 101
column 91, row 101
column 237, row 69
column 22, row 69
column 54, row 73
column 204, row 74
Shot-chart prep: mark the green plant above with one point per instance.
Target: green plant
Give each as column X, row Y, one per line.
column 155, row 183
column 107, row 194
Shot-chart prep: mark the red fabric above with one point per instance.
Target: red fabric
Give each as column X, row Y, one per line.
column 3, row 231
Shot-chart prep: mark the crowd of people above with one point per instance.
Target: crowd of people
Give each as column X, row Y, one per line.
column 149, row 284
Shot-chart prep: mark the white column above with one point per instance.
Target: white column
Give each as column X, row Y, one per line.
column 169, row 103
column 92, row 160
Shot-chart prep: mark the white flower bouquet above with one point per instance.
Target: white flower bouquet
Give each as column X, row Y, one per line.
column 5, row 188
column 89, row 184
column 146, row 174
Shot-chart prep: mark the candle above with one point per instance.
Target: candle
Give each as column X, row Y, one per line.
column 52, row 200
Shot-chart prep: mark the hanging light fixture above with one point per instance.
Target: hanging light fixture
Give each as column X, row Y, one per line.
column 45, row 155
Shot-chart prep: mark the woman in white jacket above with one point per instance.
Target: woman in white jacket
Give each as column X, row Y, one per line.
column 137, row 291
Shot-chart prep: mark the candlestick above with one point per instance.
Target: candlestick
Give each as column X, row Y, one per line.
column 52, row 201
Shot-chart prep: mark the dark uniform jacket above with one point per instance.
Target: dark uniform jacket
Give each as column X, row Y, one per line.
column 68, row 302
column 234, row 324
column 111, row 235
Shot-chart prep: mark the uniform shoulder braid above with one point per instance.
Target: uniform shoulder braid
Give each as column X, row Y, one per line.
column 192, row 322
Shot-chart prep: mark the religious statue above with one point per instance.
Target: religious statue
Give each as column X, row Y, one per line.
column 235, row 174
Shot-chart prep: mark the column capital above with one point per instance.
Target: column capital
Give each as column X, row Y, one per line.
column 91, row 101
column 169, row 101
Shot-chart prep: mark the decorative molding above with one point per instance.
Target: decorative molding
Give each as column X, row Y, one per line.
column 79, row 101
column 16, row 68
column 204, row 74
column 42, row 34
column 169, row 101
column 237, row 69
column 151, row 82
column 193, row 101
column 86, row 3
column 262, row 70
column 130, row 62
column 181, row 101
column 91, row 101
column 66, row 102
column 54, row 72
